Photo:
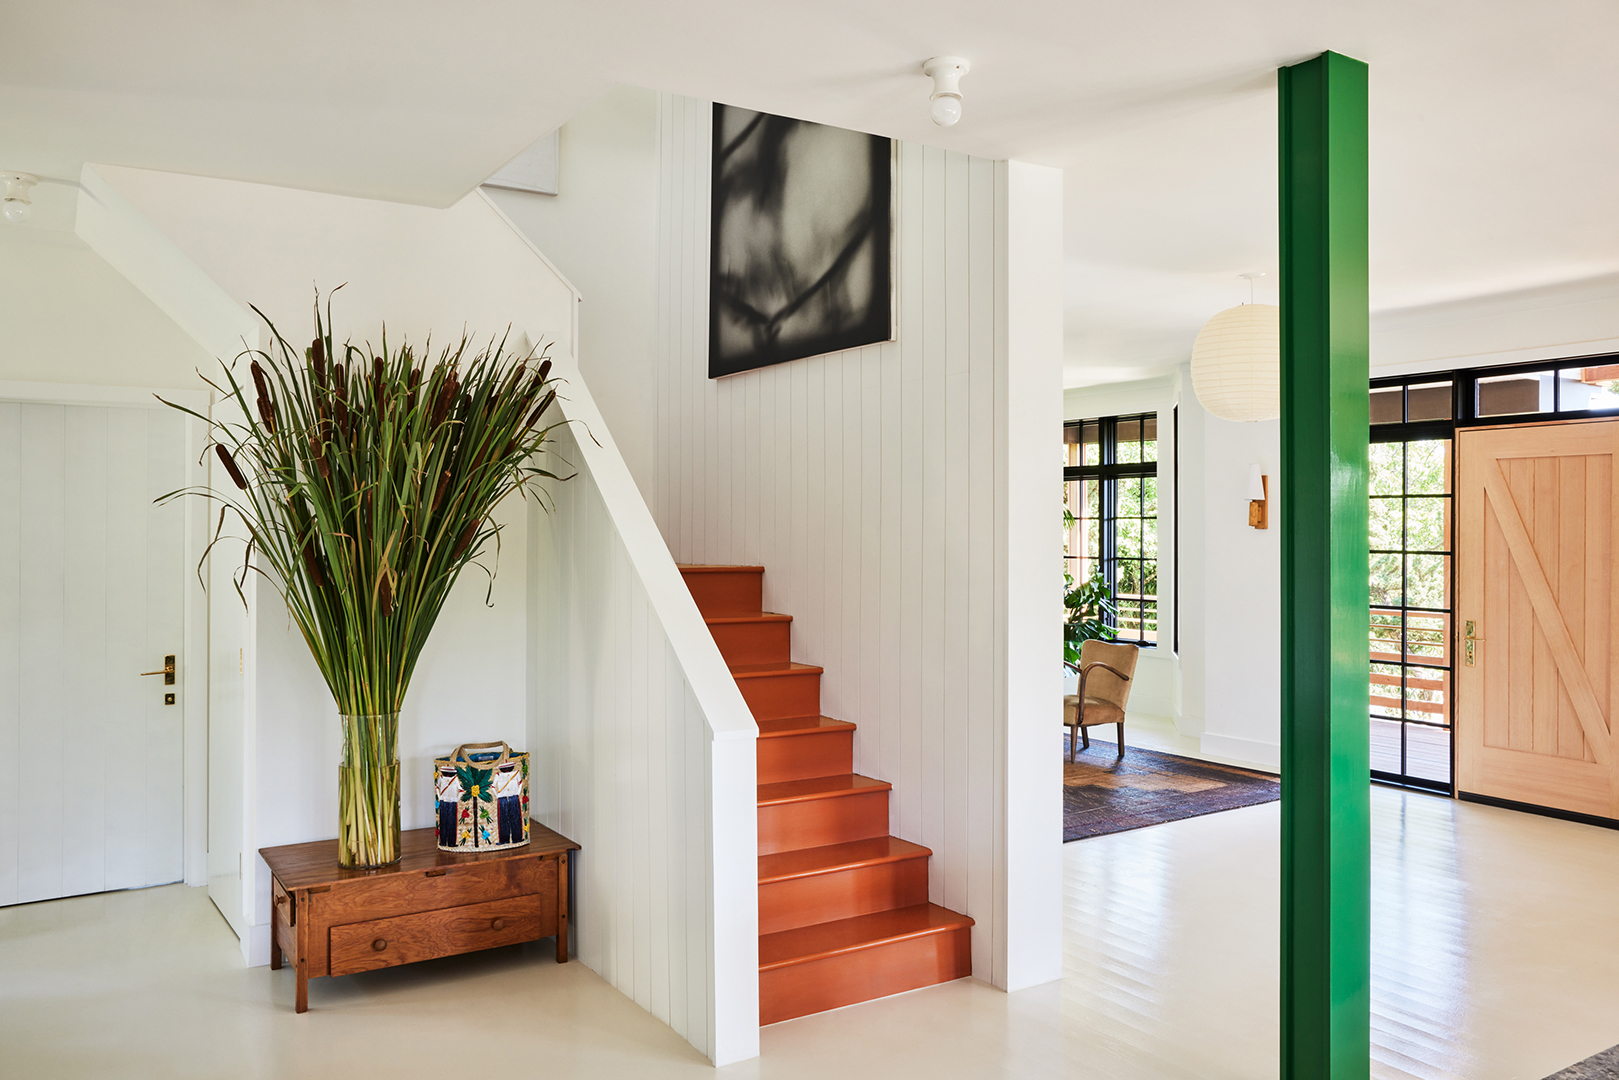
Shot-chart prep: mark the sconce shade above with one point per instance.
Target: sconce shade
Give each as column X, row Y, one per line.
column 1256, row 483
column 1237, row 363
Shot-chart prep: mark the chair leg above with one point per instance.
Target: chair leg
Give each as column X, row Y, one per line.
column 1121, row 738
column 1086, row 735
column 1073, row 740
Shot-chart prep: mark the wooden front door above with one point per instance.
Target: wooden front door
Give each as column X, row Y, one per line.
column 1536, row 683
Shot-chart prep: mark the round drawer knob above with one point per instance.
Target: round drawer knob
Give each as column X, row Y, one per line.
column 498, row 924
column 379, row 944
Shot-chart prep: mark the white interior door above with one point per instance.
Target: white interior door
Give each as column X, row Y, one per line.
column 92, row 594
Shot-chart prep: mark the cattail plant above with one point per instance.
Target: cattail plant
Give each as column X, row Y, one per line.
column 366, row 482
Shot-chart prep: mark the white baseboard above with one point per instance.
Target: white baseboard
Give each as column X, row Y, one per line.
column 256, row 945
column 1250, row 753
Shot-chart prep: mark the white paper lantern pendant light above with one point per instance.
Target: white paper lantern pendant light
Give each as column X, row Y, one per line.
column 1237, row 362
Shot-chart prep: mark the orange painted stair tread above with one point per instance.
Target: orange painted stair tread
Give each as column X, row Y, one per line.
column 819, row 787
column 843, row 910
column 765, row 671
column 801, row 725
column 805, row 861
column 861, row 932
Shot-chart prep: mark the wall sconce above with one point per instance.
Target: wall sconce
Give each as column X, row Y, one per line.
column 1258, row 498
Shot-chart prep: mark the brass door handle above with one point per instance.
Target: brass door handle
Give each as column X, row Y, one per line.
column 1469, row 641
column 167, row 671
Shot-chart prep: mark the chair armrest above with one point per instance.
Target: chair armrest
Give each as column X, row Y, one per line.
column 1084, row 674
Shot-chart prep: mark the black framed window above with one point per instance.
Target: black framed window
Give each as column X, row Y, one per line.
column 1110, row 487
column 1414, row 422
column 1411, row 652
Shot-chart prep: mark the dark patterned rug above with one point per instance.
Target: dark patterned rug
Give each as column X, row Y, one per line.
column 1103, row 793
column 1603, row 1066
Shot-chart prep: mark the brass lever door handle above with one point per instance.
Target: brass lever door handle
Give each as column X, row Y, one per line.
column 167, row 671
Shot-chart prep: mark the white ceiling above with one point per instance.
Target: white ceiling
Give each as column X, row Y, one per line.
column 1494, row 159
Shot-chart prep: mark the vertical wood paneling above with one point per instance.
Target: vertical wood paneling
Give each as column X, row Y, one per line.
column 81, row 708
column 624, row 748
column 44, row 486
column 980, row 781
column 12, row 799
column 126, row 712
column 865, row 483
column 164, row 773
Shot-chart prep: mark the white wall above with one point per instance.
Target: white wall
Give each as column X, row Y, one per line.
column 1575, row 318
column 69, row 317
column 1240, row 592
column 873, row 485
column 600, row 230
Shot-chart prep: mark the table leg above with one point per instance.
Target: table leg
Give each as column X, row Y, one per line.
column 300, row 959
column 562, row 908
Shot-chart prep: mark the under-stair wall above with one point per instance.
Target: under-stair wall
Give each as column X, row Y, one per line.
column 643, row 748
column 657, row 788
column 902, row 498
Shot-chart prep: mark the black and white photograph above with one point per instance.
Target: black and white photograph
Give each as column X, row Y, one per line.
column 801, row 245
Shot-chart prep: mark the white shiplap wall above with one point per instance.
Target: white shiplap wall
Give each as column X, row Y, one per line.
column 865, row 482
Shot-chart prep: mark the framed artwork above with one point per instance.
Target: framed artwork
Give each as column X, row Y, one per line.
column 801, row 244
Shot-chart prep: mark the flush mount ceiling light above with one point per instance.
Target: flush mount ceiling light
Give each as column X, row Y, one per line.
column 17, row 203
column 946, row 73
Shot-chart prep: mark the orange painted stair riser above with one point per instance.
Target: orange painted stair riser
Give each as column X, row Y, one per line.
column 891, row 967
column 729, row 591
column 798, row 757
column 842, row 894
column 789, row 694
column 819, row 822
column 766, row 642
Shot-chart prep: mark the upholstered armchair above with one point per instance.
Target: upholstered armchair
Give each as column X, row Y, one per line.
column 1105, row 670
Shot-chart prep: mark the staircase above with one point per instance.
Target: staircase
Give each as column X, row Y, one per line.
column 843, row 907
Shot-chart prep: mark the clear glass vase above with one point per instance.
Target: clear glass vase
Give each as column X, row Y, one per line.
column 368, row 792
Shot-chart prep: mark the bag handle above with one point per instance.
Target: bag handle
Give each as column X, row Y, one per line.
column 460, row 754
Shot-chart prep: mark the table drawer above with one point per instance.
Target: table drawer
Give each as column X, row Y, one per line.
column 385, row 894
column 405, row 939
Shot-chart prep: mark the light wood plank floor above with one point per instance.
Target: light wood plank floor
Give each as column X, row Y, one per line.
column 1494, row 952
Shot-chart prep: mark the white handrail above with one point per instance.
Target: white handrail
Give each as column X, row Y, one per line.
column 711, row 682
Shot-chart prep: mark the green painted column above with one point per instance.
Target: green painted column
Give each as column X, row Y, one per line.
column 1326, row 817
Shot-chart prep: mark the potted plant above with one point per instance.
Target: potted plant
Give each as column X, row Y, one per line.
column 1089, row 612
column 366, row 482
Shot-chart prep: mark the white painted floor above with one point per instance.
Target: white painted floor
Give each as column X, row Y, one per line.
column 1496, row 957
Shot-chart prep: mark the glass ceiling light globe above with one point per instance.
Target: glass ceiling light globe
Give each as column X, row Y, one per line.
column 1237, row 363
column 946, row 110
column 17, row 185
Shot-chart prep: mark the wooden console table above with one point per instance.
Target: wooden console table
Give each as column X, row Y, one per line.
column 333, row 921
